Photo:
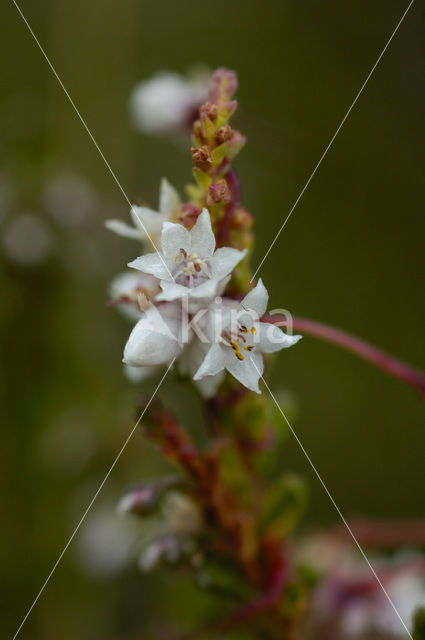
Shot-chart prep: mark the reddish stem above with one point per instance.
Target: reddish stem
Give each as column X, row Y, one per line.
column 387, row 534
column 381, row 359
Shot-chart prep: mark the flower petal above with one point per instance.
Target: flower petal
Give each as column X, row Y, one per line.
column 153, row 263
column 206, row 290
column 122, row 229
column 154, row 340
column 224, row 261
column 189, row 362
column 171, row 291
column 213, row 363
column 169, row 200
column 173, row 238
column 202, row 237
column 247, row 371
column 257, row 299
column 271, row 338
column 147, row 220
column 137, row 374
column 209, row 384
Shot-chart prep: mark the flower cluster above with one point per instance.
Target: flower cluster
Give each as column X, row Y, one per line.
column 187, row 319
column 181, row 293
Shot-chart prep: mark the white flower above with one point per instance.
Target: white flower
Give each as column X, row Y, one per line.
column 156, row 338
column 188, row 264
column 130, row 291
column 147, row 223
column 239, row 339
column 166, row 103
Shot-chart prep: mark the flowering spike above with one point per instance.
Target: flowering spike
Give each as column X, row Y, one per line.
column 193, row 309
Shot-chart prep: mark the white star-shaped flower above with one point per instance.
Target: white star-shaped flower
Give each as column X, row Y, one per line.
column 147, row 223
column 239, row 339
column 188, row 264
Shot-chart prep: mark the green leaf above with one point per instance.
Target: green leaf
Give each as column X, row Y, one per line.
column 202, row 178
column 219, row 153
column 284, row 505
column 208, row 128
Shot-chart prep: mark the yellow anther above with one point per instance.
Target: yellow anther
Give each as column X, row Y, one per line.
column 235, row 345
column 249, row 347
column 239, row 355
column 253, row 331
column 244, row 329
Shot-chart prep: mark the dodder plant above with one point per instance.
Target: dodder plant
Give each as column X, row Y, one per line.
column 225, row 516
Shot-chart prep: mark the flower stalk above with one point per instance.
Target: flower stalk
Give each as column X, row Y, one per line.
column 365, row 350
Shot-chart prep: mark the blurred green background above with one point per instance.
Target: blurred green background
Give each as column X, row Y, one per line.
column 351, row 255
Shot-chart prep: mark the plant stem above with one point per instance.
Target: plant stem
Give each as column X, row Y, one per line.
column 379, row 358
column 386, row 534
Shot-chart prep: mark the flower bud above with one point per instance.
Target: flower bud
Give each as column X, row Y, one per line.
column 223, row 134
column 143, row 499
column 209, row 110
column 219, row 192
column 241, row 219
column 189, row 214
column 202, row 158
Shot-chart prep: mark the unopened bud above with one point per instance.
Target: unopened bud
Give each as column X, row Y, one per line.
column 210, row 110
column 219, row 192
column 189, row 214
column 141, row 500
column 241, row 219
column 202, row 158
column 223, row 134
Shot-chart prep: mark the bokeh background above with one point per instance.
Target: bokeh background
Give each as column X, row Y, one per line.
column 351, row 255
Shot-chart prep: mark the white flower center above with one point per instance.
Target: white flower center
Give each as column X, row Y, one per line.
column 191, row 270
column 240, row 340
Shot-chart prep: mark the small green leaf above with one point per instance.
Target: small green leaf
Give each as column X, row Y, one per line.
column 284, row 505
column 219, row 153
column 202, row 178
column 208, row 128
